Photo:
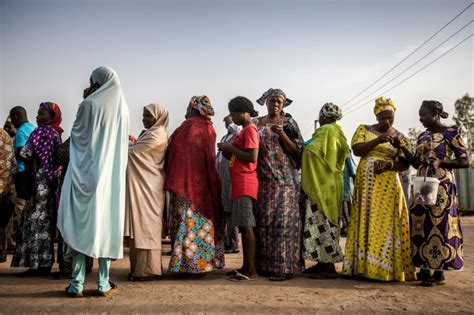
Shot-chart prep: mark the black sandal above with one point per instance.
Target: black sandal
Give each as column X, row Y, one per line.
column 281, row 277
column 112, row 290
column 73, row 294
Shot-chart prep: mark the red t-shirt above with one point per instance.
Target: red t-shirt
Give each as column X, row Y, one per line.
column 243, row 174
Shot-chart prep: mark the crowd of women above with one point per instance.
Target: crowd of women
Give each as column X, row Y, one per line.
column 101, row 189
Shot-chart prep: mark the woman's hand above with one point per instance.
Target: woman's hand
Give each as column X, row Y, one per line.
column 384, row 138
column 225, row 146
column 277, row 129
column 381, row 166
column 435, row 163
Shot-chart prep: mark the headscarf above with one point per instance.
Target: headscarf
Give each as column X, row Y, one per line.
column 203, row 105
column 160, row 127
column 382, row 104
column 191, row 168
column 274, row 93
column 91, row 212
column 331, row 110
column 55, row 112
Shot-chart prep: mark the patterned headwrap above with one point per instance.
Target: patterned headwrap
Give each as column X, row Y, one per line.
column 55, row 112
column 272, row 93
column 331, row 110
column 203, row 105
column 382, row 104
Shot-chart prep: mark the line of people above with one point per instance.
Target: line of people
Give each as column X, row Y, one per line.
column 286, row 197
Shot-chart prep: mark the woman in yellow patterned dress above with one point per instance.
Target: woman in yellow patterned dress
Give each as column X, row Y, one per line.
column 378, row 243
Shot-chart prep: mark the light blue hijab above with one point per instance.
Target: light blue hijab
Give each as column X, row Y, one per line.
column 92, row 204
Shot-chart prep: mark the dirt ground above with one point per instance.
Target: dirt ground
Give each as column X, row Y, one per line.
column 214, row 293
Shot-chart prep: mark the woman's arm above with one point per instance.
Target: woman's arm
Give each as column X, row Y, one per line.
column 362, row 149
column 26, row 152
column 288, row 145
column 458, row 162
column 249, row 155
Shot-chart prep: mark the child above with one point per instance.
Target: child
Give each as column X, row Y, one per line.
column 243, row 154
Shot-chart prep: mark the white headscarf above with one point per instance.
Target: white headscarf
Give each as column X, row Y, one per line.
column 92, row 204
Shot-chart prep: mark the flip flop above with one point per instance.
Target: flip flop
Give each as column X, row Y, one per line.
column 233, row 272
column 241, row 277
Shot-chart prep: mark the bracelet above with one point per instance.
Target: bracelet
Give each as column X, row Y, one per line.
column 391, row 165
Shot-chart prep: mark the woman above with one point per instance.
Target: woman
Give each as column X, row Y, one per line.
column 145, row 194
column 436, row 232
column 34, row 248
column 378, row 244
column 278, row 226
column 193, row 181
column 7, row 167
column 322, row 181
column 92, row 205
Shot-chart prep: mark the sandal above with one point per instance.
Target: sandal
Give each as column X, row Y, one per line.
column 234, row 272
column 141, row 279
column 427, row 283
column 281, row 277
column 241, row 277
column 73, row 294
column 323, row 275
column 112, row 290
column 439, row 278
column 59, row 276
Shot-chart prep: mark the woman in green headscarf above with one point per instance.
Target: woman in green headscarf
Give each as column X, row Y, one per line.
column 322, row 181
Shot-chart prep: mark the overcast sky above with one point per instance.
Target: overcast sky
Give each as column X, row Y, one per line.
column 167, row 51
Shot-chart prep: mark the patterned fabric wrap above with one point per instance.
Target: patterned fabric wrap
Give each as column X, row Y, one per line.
column 272, row 93
column 331, row 110
column 320, row 237
column 194, row 249
column 378, row 243
column 382, row 104
column 203, row 105
column 436, row 234
column 277, row 212
column 45, row 141
column 55, row 112
column 7, row 162
column 34, row 246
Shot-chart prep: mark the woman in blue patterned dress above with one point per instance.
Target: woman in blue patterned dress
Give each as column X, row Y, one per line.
column 435, row 230
column 278, row 228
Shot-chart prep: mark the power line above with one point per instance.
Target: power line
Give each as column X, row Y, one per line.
column 409, row 55
column 412, row 75
column 410, row 66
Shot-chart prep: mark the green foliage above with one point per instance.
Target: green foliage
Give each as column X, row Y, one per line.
column 464, row 118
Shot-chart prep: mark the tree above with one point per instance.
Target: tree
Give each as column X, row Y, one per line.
column 464, row 118
column 413, row 134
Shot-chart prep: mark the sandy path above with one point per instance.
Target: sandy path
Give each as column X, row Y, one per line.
column 216, row 294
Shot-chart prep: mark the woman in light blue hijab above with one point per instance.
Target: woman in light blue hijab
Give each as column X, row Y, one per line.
column 92, row 204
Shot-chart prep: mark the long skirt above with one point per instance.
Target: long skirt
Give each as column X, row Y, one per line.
column 320, row 237
column 278, row 229
column 34, row 247
column 436, row 232
column 378, row 243
column 194, row 247
column 144, row 262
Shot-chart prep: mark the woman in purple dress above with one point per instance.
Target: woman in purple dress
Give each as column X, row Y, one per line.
column 436, row 234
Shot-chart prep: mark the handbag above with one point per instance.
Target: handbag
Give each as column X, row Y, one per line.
column 24, row 184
